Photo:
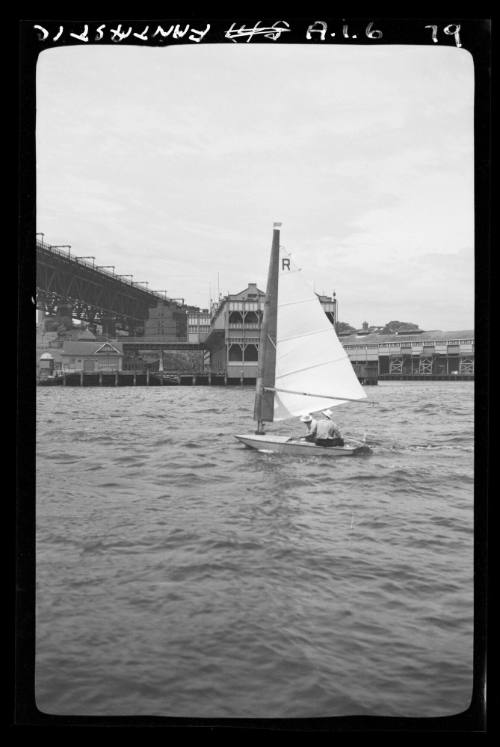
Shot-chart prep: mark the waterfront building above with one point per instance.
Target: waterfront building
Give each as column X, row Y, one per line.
column 329, row 304
column 49, row 363
column 50, row 342
column 45, row 365
column 198, row 324
column 234, row 335
column 417, row 353
column 167, row 320
column 91, row 355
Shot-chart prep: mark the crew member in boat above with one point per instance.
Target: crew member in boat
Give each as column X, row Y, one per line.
column 323, row 432
column 334, row 433
column 311, row 425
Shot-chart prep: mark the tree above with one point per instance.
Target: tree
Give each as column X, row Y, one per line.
column 391, row 328
column 345, row 328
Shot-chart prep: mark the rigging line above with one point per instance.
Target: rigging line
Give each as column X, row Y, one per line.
column 295, row 303
column 321, row 396
column 309, row 368
column 272, row 343
column 304, row 334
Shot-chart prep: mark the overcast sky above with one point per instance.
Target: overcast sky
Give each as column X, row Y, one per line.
column 172, row 164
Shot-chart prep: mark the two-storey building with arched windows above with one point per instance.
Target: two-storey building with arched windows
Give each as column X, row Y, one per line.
column 234, row 336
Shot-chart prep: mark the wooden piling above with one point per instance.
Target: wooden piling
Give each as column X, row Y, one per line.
column 135, row 379
column 100, row 378
column 147, row 377
column 81, row 378
column 116, row 378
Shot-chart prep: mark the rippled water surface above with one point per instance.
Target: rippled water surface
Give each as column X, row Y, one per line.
column 182, row 574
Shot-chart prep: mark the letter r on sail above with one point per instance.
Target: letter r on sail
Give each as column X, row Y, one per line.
column 285, row 262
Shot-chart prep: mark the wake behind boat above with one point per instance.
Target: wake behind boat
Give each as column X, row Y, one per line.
column 303, row 367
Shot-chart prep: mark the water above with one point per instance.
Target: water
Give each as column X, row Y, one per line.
column 182, row 574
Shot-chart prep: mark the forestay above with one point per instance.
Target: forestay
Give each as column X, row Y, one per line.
column 309, row 356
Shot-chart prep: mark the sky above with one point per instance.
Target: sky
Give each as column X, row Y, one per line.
column 173, row 163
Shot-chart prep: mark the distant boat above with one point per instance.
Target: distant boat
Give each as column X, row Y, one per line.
column 166, row 378
column 52, row 380
column 303, row 367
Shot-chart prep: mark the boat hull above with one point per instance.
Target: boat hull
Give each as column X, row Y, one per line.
column 270, row 444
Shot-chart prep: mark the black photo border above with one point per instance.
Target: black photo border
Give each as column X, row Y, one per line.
column 476, row 38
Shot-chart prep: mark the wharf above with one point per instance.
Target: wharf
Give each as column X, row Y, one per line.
column 426, row 377
column 204, row 378
column 151, row 378
column 134, row 378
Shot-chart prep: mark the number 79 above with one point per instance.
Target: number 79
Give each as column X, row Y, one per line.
column 452, row 30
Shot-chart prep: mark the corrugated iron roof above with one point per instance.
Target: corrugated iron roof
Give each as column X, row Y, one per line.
column 252, row 288
column 54, row 352
column 90, row 347
column 435, row 334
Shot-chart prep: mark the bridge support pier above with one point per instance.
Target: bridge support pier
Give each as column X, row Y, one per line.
column 108, row 326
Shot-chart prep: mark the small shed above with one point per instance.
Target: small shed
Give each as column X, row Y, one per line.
column 46, row 364
column 92, row 356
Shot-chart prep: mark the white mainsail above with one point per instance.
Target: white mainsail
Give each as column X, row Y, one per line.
column 312, row 367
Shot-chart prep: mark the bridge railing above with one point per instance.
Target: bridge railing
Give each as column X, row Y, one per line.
column 81, row 261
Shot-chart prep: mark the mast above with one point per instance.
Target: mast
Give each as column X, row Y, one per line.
column 264, row 399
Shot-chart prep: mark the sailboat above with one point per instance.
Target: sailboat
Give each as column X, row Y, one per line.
column 302, row 366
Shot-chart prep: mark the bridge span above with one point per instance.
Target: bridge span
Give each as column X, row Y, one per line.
column 96, row 294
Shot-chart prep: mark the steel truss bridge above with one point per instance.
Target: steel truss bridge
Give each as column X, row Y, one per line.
column 96, row 294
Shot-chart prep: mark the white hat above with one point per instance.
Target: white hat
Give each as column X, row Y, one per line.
column 306, row 418
column 328, row 413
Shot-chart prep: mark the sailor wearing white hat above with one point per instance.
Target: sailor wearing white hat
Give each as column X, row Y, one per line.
column 311, row 425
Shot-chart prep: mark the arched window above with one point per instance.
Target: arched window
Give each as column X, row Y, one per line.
column 235, row 353
column 251, row 318
column 235, row 317
column 251, row 353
